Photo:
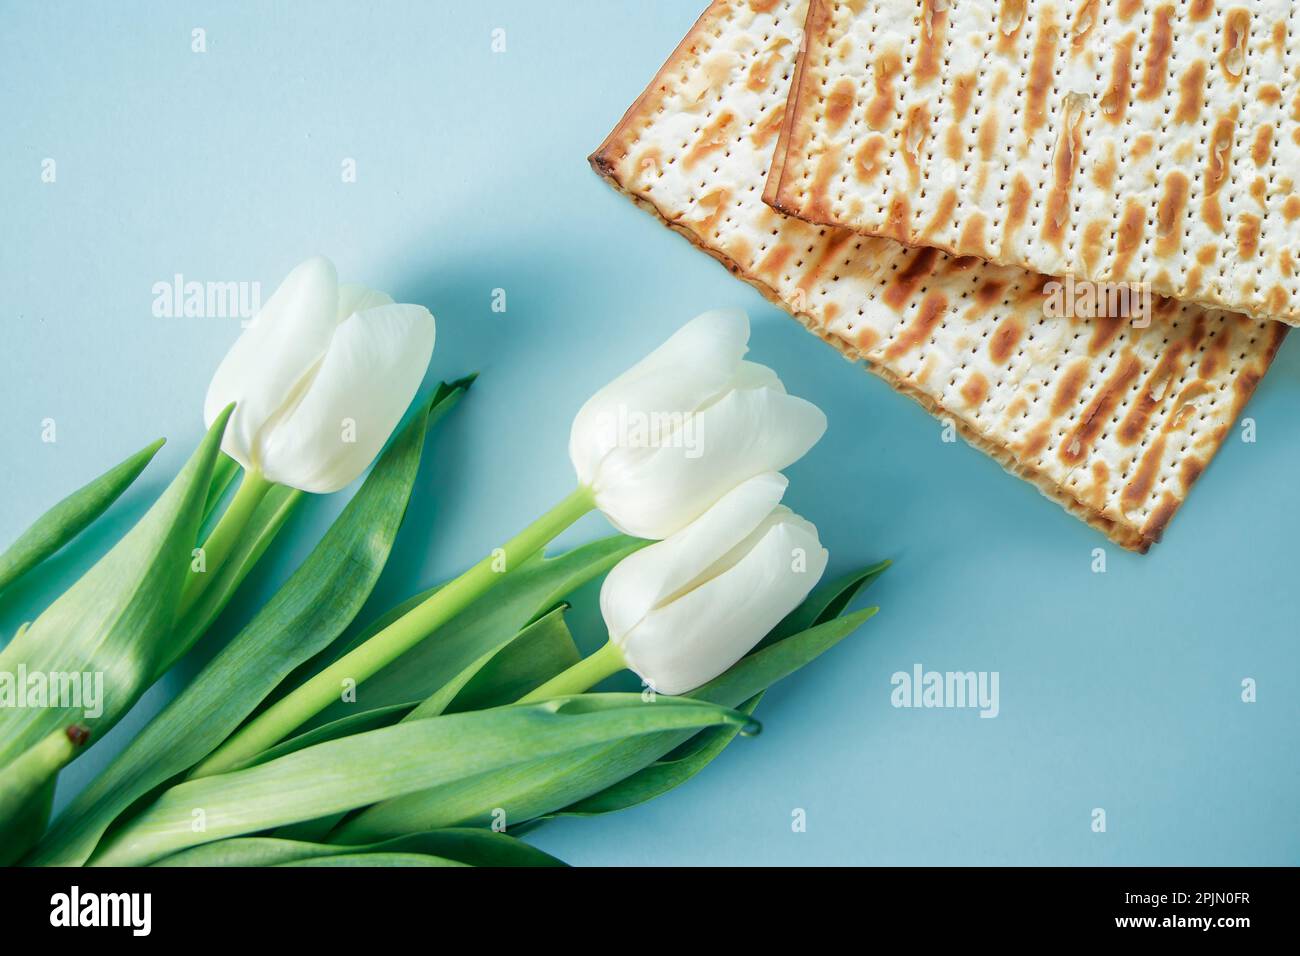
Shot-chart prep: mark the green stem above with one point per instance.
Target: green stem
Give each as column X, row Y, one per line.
column 224, row 537
column 310, row 698
column 582, row 676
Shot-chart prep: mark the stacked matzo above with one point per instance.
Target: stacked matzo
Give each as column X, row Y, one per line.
column 1152, row 141
column 1113, row 421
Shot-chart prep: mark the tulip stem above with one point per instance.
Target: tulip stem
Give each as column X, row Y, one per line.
column 363, row 661
column 582, row 676
column 216, row 549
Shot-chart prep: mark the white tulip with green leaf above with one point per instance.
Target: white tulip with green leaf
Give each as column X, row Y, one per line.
column 651, row 483
column 318, row 381
column 476, row 698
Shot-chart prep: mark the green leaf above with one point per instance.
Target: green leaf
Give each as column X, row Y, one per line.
column 527, row 660
column 409, row 757
column 376, row 859
column 663, row 775
column 468, row 847
column 223, row 475
column 505, row 673
column 474, row 847
column 540, row 651
column 27, row 790
column 263, row 526
column 343, row 727
column 529, row 790
column 528, row 592
column 501, row 676
column 71, row 516
column 309, row 611
column 113, row 627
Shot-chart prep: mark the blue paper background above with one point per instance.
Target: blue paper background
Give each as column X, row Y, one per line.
column 1119, row 690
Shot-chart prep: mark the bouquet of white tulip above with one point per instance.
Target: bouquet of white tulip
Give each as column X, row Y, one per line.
column 466, row 702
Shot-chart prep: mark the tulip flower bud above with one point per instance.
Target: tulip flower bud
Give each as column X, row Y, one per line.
column 320, row 379
column 685, row 425
column 684, row 609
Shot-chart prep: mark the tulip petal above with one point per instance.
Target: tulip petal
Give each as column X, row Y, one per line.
column 373, row 368
column 695, row 366
column 358, row 298
column 283, row 343
column 657, row 574
column 696, row 637
column 743, row 434
column 754, row 375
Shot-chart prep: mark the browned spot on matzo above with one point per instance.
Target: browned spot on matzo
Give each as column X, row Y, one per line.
column 1103, row 172
column 1151, row 396
column 1129, row 237
column 1085, row 19
column 988, row 135
column 1005, row 339
column 976, row 390
column 1011, row 18
column 713, row 139
column 881, row 107
column 1191, row 93
column 972, row 240
column 915, row 131
column 868, row 163
column 942, row 215
column 1262, row 148
column 1155, row 72
column 1065, row 161
column 1069, row 387
column 1078, row 442
column 934, row 26
column 1169, row 217
column 1017, row 211
column 819, row 198
column 1105, row 329
column 1217, row 163
column 1236, row 35
column 931, row 312
column 839, row 103
column 767, row 130
column 1248, row 236
column 1137, row 490
column 1090, row 248
column 919, row 267
column 1040, row 72
column 1279, row 37
column 1114, row 103
column 760, row 72
column 963, row 87
column 898, row 225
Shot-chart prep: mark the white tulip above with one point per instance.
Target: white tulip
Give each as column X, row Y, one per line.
column 685, row 425
column 320, row 379
column 684, row 609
